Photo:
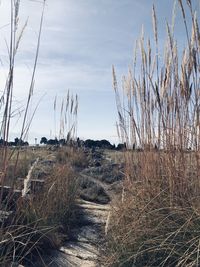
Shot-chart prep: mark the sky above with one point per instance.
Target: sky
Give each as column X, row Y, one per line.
column 81, row 40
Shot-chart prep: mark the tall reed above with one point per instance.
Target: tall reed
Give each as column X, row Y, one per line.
column 68, row 117
column 157, row 224
column 16, row 35
column 17, row 238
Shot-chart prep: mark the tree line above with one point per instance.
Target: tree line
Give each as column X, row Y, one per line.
column 89, row 143
column 17, row 142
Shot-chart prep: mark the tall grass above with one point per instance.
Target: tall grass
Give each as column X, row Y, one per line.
column 17, row 236
column 16, row 35
column 163, row 98
column 68, row 117
column 36, row 221
column 157, row 224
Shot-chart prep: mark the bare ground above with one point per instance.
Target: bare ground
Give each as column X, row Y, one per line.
column 99, row 185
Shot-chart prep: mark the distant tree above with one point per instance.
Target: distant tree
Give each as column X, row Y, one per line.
column 105, row 144
column 89, row 143
column 121, row 146
column 78, row 142
column 16, row 141
column 43, row 140
column 25, row 143
column 62, row 142
column 11, row 143
column 53, row 142
column 1, row 142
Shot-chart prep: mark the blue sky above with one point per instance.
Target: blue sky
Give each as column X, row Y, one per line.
column 81, row 39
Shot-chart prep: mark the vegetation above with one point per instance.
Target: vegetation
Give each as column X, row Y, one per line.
column 42, row 219
column 37, row 191
column 157, row 221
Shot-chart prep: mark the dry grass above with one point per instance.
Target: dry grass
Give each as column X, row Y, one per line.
column 58, row 197
column 157, row 222
column 25, row 158
column 16, row 236
column 43, row 219
column 73, row 156
column 37, row 220
column 149, row 227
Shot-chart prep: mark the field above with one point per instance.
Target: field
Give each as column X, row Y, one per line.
column 64, row 208
column 73, row 202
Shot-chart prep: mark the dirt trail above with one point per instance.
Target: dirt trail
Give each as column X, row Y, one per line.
column 83, row 249
column 87, row 236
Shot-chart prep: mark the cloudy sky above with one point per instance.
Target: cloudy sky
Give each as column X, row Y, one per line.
column 81, row 39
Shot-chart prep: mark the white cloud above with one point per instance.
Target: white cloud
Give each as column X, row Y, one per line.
column 80, row 41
